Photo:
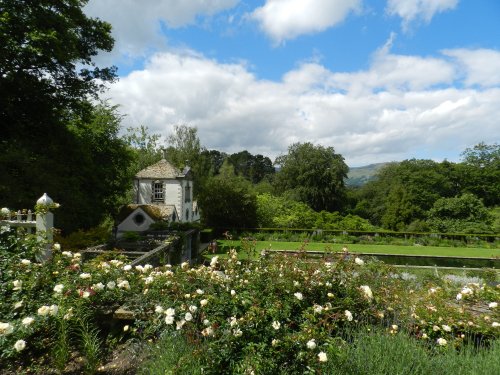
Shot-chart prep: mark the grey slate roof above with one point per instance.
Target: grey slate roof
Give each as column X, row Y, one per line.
column 162, row 169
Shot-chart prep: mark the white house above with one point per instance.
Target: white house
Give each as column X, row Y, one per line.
column 161, row 193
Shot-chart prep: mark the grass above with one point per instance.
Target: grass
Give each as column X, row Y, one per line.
column 367, row 351
column 379, row 353
column 473, row 252
column 171, row 355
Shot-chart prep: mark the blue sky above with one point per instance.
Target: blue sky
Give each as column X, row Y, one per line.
column 377, row 80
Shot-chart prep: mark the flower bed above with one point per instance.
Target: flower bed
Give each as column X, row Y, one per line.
column 275, row 314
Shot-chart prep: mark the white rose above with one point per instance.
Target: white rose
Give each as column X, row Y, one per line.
column 348, row 315
column 359, row 261
column 322, row 357
column 20, row 345
column 59, row 288
column 27, row 321
column 311, row 344
column 6, row 328
column 442, row 342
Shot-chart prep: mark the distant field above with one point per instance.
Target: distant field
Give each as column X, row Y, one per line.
column 224, row 245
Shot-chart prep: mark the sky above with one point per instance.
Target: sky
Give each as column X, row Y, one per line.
column 379, row 80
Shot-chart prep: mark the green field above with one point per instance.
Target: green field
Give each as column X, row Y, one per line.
column 474, row 252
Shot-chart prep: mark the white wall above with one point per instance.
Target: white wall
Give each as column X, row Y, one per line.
column 174, row 195
column 130, row 225
column 145, row 191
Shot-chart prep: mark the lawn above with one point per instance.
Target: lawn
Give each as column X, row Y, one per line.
column 225, row 245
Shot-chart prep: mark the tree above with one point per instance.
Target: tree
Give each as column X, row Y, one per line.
column 253, row 167
column 227, row 201
column 481, row 172
column 463, row 214
column 41, row 42
column 216, row 159
column 403, row 192
column 104, row 173
column 145, row 147
column 315, row 174
column 41, row 92
column 184, row 148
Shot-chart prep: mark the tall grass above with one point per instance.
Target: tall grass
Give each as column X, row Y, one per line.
column 380, row 353
column 89, row 342
column 363, row 352
column 172, row 355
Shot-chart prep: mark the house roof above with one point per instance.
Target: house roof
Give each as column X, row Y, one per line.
column 154, row 211
column 162, row 169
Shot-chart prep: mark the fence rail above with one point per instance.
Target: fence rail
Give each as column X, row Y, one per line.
column 42, row 223
column 21, row 220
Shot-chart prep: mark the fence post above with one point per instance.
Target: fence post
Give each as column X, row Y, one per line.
column 45, row 225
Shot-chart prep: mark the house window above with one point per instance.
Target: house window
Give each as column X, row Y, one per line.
column 139, row 219
column 187, row 194
column 158, row 192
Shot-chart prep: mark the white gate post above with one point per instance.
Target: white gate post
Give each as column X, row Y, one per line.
column 45, row 225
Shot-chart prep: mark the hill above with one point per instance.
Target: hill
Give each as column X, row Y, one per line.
column 359, row 176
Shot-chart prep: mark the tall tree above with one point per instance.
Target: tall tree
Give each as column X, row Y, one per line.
column 216, row 159
column 145, row 147
column 41, row 92
column 41, row 43
column 184, row 148
column 403, row 192
column 481, row 172
column 228, row 201
column 253, row 167
column 313, row 173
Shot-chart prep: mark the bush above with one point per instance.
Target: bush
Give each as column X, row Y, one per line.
column 278, row 314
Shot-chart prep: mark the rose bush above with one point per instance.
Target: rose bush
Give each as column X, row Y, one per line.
column 275, row 314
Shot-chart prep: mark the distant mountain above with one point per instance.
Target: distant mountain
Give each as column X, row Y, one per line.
column 359, row 176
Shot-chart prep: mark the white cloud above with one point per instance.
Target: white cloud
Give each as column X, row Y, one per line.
column 481, row 66
column 400, row 105
column 287, row 19
column 136, row 24
column 418, row 10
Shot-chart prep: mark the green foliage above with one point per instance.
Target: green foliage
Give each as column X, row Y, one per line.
column 281, row 212
column 228, row 201
column 40, row 43
column 172, row 354
column 481, row 172
column 403, row 192
column 89, row 341
column 274, row 315
column 215, row 160
column 82, row 239
column 184, row 149
column 463, row 214
column 401, row 195
column 145, row 147
column 313, row 173
column 253, row 167
column 373, row 351
column 103, row 173
column 82, row 165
